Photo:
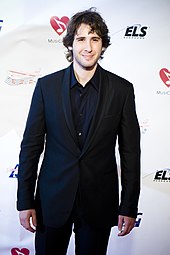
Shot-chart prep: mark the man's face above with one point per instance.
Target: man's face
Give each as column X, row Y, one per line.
column 87, row 48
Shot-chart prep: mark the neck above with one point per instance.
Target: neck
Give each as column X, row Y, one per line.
column 83, row 75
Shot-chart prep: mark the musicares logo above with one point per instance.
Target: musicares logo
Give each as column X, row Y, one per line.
column 165, row 76
column 17, row 251
column 59, row 24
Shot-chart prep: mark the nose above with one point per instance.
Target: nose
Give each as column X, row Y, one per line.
column 88, row 46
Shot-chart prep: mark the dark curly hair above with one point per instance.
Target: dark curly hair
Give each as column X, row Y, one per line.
column 94, row 20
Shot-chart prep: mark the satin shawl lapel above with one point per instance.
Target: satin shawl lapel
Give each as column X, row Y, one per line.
column 100, row 108
column 67, row 106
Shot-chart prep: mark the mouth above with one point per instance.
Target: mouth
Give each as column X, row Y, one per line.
column 87, row 57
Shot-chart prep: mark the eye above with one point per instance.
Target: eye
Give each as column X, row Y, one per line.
column 80, row 39
column 96, row 39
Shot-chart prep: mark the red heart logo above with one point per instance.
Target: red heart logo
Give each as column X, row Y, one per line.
column 59, row 25
column 165, row 76
column 17, row 251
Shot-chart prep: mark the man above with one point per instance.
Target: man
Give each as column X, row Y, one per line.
column 78, row 114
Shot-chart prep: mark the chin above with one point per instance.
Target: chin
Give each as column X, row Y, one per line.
column 89, row 67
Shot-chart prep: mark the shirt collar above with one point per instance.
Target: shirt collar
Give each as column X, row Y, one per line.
column 94, row 80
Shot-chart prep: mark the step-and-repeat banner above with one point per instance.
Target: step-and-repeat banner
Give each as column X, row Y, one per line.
column 31, row 35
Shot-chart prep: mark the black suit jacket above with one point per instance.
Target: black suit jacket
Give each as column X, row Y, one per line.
column 64, row 166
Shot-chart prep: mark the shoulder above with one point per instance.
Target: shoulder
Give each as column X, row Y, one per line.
column 116, row 80
column 53, row 81
column 53, row 76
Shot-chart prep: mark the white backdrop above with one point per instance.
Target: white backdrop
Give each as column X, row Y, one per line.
column 30, row 47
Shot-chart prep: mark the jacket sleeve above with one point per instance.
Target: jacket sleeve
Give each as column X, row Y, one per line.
column 31, row 148
column 129, row 150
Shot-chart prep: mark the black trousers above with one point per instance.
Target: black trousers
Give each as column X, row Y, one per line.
column 88, row 240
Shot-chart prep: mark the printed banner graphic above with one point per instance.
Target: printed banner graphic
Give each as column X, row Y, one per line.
column 31, row 34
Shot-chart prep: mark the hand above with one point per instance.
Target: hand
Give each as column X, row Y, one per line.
column 125, row 225
column 28, row 219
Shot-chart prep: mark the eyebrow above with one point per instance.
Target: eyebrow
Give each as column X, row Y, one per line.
column 82, row 37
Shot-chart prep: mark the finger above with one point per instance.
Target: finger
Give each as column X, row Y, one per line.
column 31, row 229
column 28, row 227
column 34, row 220
column 125, row 230
column 120, row 223
column 26, row 224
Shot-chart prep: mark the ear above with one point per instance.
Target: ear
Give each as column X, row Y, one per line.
column 103, row 49
column 70, row 48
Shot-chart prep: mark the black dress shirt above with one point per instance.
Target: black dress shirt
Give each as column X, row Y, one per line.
column 83, row 104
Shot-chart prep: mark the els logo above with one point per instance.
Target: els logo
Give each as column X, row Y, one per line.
column 136, row 32
column 59, row 25
column 17, row 251
column 1, row 21
column 162, row 175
